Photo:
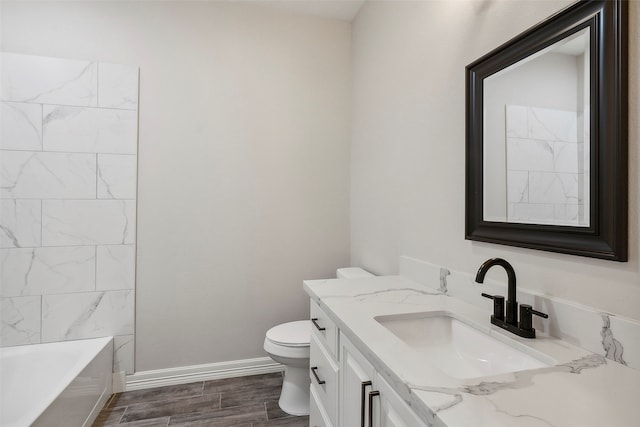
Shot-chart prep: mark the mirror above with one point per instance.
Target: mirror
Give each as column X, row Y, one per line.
column 546, row 154
column 535, row 166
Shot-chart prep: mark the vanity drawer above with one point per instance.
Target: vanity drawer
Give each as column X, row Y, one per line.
column 324, row 378
column 324, row 329
column 317, row 415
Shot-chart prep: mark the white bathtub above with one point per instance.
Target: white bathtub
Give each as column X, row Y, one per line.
column 56, row 384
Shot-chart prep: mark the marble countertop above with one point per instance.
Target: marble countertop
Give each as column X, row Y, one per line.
column 580, row 388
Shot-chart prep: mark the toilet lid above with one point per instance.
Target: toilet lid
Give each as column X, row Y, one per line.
column 292, row 334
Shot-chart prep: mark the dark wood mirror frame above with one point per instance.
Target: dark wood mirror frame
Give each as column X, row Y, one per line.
column 606, row 236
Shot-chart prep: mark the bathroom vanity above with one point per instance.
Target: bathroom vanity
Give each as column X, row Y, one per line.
column 345, row 393
column 382, row 354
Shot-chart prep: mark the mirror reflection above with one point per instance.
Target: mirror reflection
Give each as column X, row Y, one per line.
column 536, row 128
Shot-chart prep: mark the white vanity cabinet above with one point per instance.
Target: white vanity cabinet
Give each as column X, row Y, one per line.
column 364, row 393
column 393, row 411
column 323, row 364
column 356, row 381
column 318, row 416
column 324, row 381
column 345, row 388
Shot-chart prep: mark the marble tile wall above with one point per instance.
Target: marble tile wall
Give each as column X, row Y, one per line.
column 547, row 177
column 68, row 167
column 615, row 337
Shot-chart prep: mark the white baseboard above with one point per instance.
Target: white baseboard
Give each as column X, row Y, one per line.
column 209, row 371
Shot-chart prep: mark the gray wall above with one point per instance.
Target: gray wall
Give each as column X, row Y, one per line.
column 243, row 160
column 408, row 147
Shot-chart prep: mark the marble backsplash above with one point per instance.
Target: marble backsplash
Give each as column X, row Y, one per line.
column 68, row 148
column 614, row 337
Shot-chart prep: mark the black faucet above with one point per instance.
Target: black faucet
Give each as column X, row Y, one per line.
column 510, row 321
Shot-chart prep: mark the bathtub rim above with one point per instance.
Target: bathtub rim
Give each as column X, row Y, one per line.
column 98, row 345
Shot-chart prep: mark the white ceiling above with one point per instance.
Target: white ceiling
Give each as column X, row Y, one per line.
column 344, row 10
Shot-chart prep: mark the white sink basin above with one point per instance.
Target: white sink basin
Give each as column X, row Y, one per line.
column 456, row 348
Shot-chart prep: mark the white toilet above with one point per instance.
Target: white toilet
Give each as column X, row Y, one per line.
column 288, row 344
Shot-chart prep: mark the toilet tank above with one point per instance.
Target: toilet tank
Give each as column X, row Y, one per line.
column 352, row 273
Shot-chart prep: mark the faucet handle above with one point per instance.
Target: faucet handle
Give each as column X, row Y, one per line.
column 526, row 312
column 498, row 305
column 539, row 313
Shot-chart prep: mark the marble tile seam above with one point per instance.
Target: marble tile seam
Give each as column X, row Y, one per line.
column 53, row 104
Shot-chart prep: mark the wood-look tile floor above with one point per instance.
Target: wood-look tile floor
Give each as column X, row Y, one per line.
column 232, row 402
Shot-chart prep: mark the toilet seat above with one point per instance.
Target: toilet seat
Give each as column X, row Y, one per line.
column 292, row 334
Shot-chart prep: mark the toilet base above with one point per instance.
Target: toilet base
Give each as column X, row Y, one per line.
column 294, row 398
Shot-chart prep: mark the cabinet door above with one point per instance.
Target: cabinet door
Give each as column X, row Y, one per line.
column 356, row 376
column 390, row 417
column 393, row 412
